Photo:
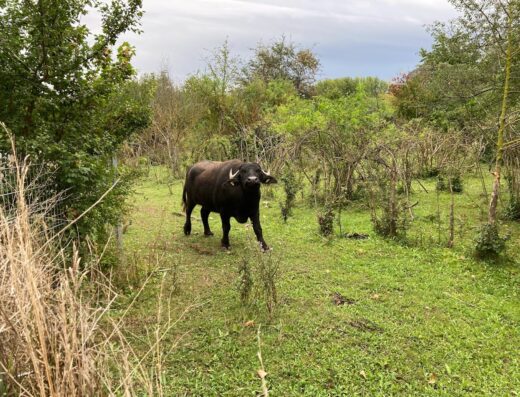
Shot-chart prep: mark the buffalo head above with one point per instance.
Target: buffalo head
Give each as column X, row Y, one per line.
column 250, row 176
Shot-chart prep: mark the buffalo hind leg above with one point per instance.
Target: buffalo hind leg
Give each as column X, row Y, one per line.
column 204, row 214
column 187, row 224
column 226, row 227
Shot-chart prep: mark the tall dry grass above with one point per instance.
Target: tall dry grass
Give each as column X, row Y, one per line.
column 56, row 337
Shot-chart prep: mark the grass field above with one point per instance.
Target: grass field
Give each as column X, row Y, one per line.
column 419, row 319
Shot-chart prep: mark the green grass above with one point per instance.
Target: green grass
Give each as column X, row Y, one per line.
column 426, row 320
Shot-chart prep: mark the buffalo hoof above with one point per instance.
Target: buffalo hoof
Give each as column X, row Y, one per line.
column 187, row 230
column 208, row 234
column 225, row 246
column 265, row 248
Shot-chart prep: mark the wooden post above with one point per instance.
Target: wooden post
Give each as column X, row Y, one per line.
column 118, row 229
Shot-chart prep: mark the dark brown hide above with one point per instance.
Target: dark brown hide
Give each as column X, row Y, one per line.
column 230, row 188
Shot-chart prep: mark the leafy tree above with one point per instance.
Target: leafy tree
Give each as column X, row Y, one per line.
column 333, row 135
column 469, row 80
column 284, row 61
column 68, row 98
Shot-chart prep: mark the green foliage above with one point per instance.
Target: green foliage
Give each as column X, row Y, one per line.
column 387, row 208
column 389, row 223
column 489, row 243
column 283, row 60
column 291, row 186
column 326, row 221
column 245, row 280
column 257, row 277
column 68, row 101
column 443, row 184
column 346, row 86
column 512, row 211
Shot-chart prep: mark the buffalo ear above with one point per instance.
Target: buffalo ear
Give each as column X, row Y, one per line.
column 232, row 182
column 268, row 180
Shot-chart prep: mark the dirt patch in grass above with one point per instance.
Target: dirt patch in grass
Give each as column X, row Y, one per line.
column 365, row 325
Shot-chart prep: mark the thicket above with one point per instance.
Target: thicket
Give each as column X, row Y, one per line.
column 57, row 337
column 71, row 100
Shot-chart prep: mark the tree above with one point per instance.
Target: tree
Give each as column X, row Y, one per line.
column 67, row 98
column 284, row 61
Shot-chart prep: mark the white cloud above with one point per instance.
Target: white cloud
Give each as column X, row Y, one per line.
column 352, row 37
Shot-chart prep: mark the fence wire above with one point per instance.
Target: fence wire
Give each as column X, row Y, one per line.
column 39, row 192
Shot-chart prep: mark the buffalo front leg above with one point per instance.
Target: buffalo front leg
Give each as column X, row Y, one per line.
column 204, row 214
column 255, row 219
column 187, row 224
column 226, row 227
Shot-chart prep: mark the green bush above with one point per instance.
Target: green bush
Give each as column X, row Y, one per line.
column 444, row 186
column 326, row 221
column 489, row 243
column 76, row 104
column 512, row 211
column 291, row 186
column 430, row 172
column 388, row 225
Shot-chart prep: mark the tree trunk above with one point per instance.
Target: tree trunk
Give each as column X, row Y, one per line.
column 492, row 214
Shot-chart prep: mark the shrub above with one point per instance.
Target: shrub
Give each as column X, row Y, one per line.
column 512, row 211
column 430, row 172
column 444, row 186
column 390, row 223
column 326, row 221
column 257, row 277
column 73, row 109
column 489, row 243
column 291, row 186
column 387, row 209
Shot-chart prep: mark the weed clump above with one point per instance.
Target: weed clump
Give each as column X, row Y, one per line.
column 390, row 223
column 291, row 186
column 56, row 337
column 326, row 221
column 443, row 184
column 257, row 278
column 489, row 243
column 512, row 211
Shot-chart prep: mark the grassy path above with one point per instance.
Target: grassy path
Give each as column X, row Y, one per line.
column 419, row 319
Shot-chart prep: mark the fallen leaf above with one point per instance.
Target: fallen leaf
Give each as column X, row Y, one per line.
column 432, row 379
column 375, row 297
column 261, row 373
column 249, row 323
column 363, row 374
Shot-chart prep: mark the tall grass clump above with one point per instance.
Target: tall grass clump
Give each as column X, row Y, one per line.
column 258, row 274
column 47, row 324
column 56, row 337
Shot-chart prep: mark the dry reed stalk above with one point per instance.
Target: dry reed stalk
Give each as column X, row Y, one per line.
column 56, row 338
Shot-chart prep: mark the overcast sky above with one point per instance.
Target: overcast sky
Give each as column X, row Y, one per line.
column 351, row 37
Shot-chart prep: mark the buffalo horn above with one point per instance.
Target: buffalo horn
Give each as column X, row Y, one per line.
column 231, row 175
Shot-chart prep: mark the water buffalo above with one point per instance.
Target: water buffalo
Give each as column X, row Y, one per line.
column 230, row 188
